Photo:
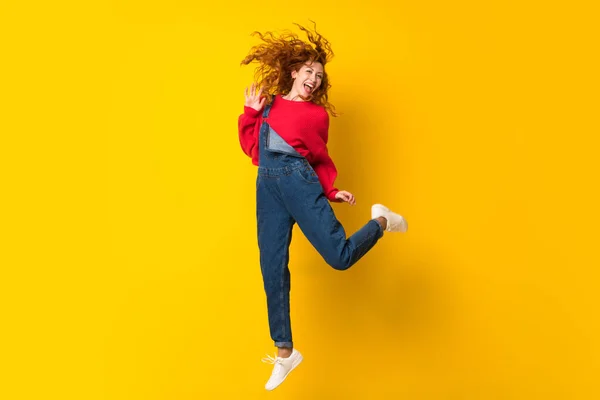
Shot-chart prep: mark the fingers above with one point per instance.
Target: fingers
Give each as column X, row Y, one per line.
column 250, row 92
column 347, row 197
column 351, row 199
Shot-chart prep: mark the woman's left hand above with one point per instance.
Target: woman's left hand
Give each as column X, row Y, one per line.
column 346, row 196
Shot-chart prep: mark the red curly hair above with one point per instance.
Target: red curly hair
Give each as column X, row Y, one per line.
column 279, row 55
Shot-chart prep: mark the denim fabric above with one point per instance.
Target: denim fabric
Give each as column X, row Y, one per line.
column 288, row 191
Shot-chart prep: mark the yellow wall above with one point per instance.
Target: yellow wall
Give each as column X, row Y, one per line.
column 130, row 264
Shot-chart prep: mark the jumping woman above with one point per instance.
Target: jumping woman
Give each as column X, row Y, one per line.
column 285, row 129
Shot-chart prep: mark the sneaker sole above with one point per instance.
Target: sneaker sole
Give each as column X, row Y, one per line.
column 404, row 225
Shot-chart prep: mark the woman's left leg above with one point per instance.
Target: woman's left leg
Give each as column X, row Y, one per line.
column 274, row 225
column 315, row 217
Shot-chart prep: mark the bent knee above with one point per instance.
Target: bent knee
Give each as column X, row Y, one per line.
column 339, row 264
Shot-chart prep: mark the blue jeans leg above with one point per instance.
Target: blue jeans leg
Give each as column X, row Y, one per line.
column 315, row 217
column 274, row 237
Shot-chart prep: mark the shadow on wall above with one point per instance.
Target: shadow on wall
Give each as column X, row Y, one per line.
column 392, row 312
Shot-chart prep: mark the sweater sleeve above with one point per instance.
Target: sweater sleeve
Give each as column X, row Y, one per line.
column 248, row 129
column 324, row 166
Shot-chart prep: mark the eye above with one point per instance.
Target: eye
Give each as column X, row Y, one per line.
column 319, row 76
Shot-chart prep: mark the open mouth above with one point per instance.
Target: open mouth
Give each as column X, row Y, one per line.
column 309, row 88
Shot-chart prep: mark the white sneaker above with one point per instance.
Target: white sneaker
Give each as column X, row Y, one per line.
column 283, row 366
column 395, row 222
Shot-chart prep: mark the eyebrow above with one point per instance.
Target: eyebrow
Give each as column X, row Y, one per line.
column 311, row 67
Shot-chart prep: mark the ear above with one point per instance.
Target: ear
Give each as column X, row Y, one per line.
column 294, row 73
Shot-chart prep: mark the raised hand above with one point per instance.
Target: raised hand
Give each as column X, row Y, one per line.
column 253, row 98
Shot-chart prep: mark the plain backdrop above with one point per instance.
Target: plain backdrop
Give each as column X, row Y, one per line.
column 129, row 260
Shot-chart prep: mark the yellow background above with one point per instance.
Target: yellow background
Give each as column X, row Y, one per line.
column 129, row 258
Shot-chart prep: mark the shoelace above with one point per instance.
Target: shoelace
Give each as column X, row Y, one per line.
column 271, row 360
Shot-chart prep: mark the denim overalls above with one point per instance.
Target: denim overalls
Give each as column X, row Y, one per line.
column 288, row 191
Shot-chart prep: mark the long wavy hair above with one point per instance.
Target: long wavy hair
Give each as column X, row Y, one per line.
column 281, row 54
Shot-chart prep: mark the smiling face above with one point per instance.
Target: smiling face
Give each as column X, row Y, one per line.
column 307, row 79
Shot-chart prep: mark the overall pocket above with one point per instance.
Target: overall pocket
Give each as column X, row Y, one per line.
column 307, row 174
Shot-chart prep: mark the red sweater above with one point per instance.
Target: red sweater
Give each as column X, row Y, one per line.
column 304, row 126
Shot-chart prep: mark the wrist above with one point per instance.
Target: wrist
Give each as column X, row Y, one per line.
column 251, row 112
column 333, row 196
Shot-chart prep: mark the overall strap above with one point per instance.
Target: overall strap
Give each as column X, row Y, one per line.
column 268, row 109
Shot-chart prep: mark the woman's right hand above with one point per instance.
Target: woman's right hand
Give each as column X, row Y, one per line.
column 253, row 98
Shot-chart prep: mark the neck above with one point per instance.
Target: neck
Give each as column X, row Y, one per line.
column 293, row 96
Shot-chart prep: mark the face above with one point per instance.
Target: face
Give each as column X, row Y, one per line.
column 308, row 78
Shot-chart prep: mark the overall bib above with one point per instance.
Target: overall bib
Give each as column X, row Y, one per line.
column 288, row 191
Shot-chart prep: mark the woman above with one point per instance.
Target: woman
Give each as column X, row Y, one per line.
column 286, row 132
